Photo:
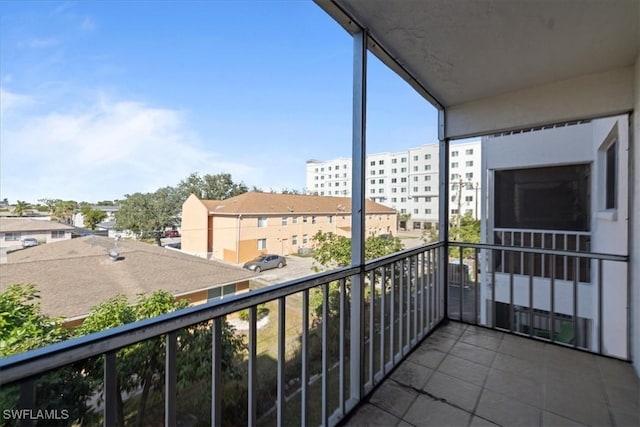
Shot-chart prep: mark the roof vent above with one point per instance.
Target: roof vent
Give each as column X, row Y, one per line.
column 114, row 255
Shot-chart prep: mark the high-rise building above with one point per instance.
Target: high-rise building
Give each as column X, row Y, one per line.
column 407, row 181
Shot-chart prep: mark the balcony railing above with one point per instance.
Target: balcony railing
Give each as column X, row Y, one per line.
column 330, row 350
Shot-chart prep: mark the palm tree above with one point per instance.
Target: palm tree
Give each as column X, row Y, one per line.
column 20, row 208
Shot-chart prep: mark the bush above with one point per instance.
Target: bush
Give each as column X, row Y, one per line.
column 262, row 312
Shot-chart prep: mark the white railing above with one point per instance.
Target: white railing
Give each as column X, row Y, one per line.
column 303, row 375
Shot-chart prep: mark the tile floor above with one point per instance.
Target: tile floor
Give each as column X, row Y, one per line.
column 463, row 375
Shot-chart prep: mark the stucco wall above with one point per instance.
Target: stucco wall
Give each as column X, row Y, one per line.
column 194, row 227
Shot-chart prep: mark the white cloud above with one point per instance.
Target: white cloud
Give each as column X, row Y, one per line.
column 104, row 151
column 10, row 101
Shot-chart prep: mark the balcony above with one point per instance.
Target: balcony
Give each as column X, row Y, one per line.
column 384, row 342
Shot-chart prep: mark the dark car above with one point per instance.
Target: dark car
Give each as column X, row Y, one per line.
column 171, row 233
column 265, row 262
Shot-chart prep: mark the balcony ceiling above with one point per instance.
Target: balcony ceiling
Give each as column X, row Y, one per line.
column 461, row 52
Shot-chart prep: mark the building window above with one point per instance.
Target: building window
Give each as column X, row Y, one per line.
column 381, row 162
column 404, row 211
column 427, row 211
column 427, row 177
column 381, row 172
column 262, row 221
column 304, row 219
column 416, row 189
column 403, row 170
column 394, row 170
column 468, row 198
column 469, row 175
column 427, row 199
column 403, row 179
column 372, row 191
column 454, row 211
column 285, row 220
column 415, row 211
column 393, row 200
column 415, row 168
column 403, row 190
column 262, row 244
column 329, row 219
column 427, row 188
column 373, row 163
column 468, row 163
column 294, row 240
column 415, row 178
column 58, row 234
column 380, row 190
column 611, row 167
column 427, row 156
column 394, row 161
column 403, row 160
column 313, row 220
column 305, row 239
column 454, row 154
column 394, row 190
column 373, row 172
column 337, row 167
column 394, row 180
column 468, row 212
column 12, row 237
column 403, row 200
column 454, row 165
column 381, row 181
column 469, row 151
column 427, row 167
column 372, row 181
column 294, row 220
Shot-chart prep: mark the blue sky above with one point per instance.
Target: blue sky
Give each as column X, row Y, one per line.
column 101, row 99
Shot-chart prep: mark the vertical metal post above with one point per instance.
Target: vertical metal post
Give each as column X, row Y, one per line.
column 392, row 316
column 575, row 301
column 475, row 286
column 511, row 308
column 252, row 383
column 600, row 317
column 171, row 376
column 304, row 394
column 531, row 270
column 493, row 289
column 371, row 326
column 461, row 282
column 281, row 359
column 110, row 389
column 414, row 283
column 27, row 400
column 423, row 294
column 552, row 317
column 401, row 307
column 443, row 206
column 357, row 207
column 325, row 355
column 343, row 297
column 216, row 372
column 383, row 324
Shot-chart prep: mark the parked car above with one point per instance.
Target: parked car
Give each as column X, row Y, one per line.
column 171, row 233
column 265, row 262
column 29, row 241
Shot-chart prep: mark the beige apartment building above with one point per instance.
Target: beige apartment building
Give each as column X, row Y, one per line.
column 242, row 227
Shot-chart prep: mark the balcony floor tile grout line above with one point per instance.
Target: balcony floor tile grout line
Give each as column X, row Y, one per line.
column 612, row 417
column 484, row 383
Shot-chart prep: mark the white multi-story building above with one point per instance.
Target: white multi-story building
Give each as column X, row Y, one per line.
column 407, row 181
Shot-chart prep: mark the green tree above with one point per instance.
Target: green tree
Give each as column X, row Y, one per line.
column 20, row 208
column 210, row 187
column 92, row 217
column 23, row 327
column 333, row 251
column 64, row 210
column 461, row 229
column 149, row 214
column 141, row 366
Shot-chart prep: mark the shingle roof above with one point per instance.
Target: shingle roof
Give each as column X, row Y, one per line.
column 270, row 203
column 8, row 225
column 75, row 275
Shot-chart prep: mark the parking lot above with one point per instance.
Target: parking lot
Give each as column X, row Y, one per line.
column 296, row 267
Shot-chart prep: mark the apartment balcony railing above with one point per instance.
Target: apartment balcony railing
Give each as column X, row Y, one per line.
column 345, row 346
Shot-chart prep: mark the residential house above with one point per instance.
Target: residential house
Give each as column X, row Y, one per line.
column 76, row 275
column 14, row 230
column 240, row 228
